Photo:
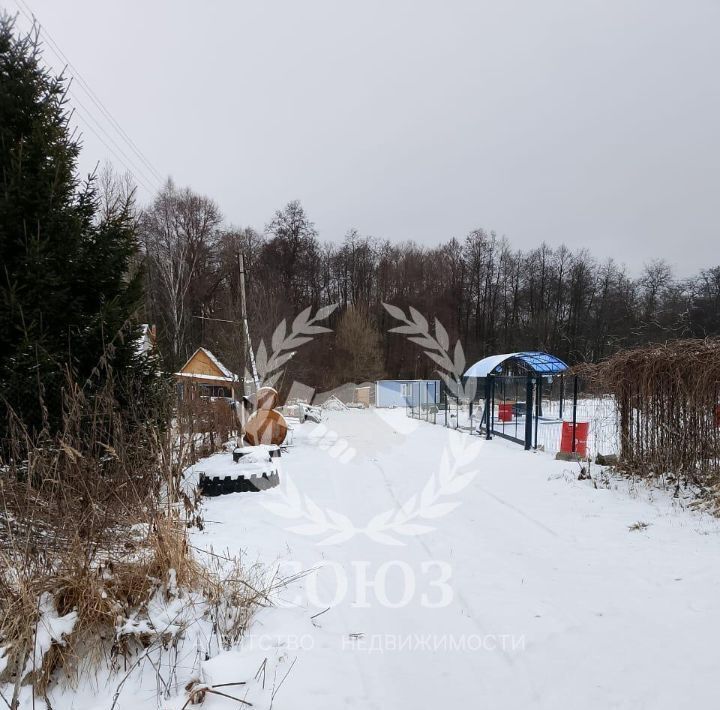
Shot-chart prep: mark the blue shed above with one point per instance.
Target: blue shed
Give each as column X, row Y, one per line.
column 402, row 393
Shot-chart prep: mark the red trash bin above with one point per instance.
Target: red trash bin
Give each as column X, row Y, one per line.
column 581, row 437
column 505, row 411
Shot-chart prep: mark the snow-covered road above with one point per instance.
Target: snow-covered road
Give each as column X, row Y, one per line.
column 529, row 591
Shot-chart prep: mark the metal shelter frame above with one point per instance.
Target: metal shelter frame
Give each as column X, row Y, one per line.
column 522, row 375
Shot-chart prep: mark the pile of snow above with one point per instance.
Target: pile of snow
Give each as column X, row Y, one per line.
column 231, row 444
column 256, row 461
column 255, row 454
column 309, row 413
column 169, row 612
column 51, row 628
column 188, row 641
column 333, row 404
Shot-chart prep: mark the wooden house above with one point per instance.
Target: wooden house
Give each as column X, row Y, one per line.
column 204, row 375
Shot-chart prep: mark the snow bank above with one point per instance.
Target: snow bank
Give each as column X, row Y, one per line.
column 51, row 628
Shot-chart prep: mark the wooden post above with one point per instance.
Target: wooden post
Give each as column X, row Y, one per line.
column 247, row 344
column 243, row 318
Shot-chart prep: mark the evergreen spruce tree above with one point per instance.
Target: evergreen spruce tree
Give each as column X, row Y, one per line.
column 66, row 296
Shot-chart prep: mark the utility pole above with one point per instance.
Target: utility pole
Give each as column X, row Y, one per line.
column 243, row 318
column 247, row 344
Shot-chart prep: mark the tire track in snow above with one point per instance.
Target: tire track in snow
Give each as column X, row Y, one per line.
column 517, row 510
column 432, row 555
column 474, row 616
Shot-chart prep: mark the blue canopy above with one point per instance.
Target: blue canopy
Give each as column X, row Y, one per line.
column 538, row 363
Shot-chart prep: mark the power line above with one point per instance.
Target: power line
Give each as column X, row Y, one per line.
column 140, row 182
column 143, row 180
column 147, row 184
column 93, row 96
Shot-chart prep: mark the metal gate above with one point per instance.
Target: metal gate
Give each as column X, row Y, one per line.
column 422, row 399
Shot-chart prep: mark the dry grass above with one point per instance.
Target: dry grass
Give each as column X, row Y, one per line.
column 204, row 423
column 94, row 519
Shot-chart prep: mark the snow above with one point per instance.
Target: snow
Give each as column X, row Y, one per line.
column 600, row 413
column 255, row 463
column 256, row 454
column 484, row 367
column 555, row 601
column 51, row 627
column 432, row 569
column 227, row 375
column 146, row 341
column 180, row 631
column 214, row 378
column 217, row 363
column 332, row 403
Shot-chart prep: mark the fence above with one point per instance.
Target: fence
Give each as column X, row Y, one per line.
column 422, row 400
column 657, row 408
column 559, row 413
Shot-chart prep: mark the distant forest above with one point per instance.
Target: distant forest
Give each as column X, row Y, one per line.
column 494, row 298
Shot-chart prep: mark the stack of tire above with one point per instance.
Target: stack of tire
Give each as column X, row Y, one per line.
column 217, row 486
column 265, row 426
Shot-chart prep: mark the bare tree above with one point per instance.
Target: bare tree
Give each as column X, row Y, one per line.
column 656, row 277
column 116, row 193
column 491, row 297
column 179, row 233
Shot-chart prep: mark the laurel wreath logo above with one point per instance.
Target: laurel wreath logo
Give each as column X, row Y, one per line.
column 454, row 472
column 417, row 329
column 284, row 344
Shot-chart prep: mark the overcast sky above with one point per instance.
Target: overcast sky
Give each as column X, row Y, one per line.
column 590, row 123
